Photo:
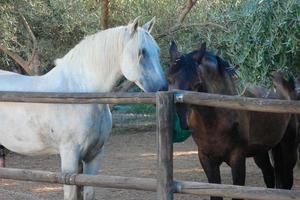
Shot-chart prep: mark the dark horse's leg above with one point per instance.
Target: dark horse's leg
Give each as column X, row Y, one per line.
column 263, row 162
column 212, row 170
column 237, row 162
column 283, row 165
column 285, row 156
column 2, row 156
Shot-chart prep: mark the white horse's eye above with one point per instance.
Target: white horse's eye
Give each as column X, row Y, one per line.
column 142, row 52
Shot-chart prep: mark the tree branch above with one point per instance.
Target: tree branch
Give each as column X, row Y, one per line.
column 31, row 67
column 33, row 62
column 188, row 7
column 17, row 59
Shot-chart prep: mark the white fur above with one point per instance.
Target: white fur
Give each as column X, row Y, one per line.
column 94, row 65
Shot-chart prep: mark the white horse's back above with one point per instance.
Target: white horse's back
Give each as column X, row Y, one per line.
column 10, row 81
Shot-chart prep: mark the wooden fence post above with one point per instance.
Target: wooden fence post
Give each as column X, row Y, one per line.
column 80, row 188
column 164, row 118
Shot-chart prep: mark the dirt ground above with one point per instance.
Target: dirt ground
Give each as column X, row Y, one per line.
column 126, row 154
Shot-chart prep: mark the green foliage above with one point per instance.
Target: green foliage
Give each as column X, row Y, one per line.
column 57, row 24
column 256, row 35
column 260, row 36
column 137, row 109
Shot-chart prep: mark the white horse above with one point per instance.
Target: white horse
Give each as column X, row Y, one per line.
column 78, row 132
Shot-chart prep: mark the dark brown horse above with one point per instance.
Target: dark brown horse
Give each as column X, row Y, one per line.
column 285, row 152
column 224, row 135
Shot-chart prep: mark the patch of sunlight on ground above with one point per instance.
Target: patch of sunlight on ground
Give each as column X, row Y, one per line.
column 190, row 170
column 47, row 189
column 184, row 153
column 175, row 154
column 5, row 182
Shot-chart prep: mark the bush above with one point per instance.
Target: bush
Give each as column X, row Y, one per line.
column 256, row 36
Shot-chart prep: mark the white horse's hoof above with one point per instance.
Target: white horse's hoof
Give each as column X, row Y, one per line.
column 88, row 193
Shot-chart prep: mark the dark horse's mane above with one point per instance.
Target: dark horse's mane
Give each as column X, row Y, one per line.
column 223, row 65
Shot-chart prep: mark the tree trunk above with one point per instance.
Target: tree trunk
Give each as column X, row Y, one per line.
column 104, row 14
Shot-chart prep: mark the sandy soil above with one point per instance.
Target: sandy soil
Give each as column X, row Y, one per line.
column 130, row 154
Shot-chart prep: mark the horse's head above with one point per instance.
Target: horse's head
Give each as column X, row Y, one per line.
column 140, row 58
column 284, row 84
column 183, row 74
column 199, row 71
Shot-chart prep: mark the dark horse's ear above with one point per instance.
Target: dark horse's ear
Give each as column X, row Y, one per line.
column 203, row 47
column 199, row 54
column 174, row 53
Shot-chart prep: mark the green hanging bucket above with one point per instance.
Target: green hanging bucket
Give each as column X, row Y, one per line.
column 179, row 134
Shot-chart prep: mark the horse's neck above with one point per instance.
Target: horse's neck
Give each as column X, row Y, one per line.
column 87, row 81
column 286, row 95
column 257, row 92
column 223, row 85
column 94, row 64
column 211, row 115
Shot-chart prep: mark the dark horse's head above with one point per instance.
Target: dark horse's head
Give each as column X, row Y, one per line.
column 198, row 71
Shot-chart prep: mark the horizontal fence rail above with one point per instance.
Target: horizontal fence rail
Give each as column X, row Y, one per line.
column 164, row 185
column 149, row 184
column 237, row 102
column 195, row 98
column 78, row 98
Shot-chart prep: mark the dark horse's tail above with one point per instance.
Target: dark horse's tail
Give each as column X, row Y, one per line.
column 2, row 156
column 285, row 155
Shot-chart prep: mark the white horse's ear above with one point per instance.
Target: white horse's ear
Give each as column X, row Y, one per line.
column 149, row 25
column 132, row 27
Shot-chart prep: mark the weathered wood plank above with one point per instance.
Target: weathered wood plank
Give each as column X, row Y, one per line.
column 77, row 98
column 234, row 191
column 164, row 117
column 149, row 184
column 238, row 102
column 118, row 182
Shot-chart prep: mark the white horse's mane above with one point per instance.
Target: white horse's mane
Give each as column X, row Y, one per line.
column 95, row 49
column 92, row 59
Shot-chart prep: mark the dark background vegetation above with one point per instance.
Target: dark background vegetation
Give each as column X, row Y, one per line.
column 257, row 36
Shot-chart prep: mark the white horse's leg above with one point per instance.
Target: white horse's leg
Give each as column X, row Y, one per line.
column 93, row 165
column 91, row 168
column 70, row 164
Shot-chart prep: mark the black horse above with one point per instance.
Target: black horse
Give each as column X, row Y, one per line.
column 225, row 135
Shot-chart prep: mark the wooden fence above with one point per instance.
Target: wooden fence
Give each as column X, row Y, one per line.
column 165, row 186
